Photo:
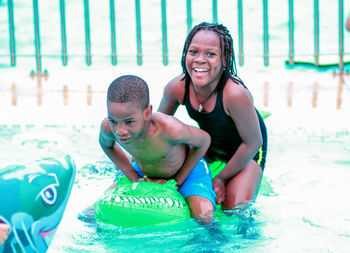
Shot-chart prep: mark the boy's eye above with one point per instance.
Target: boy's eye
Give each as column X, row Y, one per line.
column 129, row 122
column 113, row 122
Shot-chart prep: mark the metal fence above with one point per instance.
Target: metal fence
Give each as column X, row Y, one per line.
column 164, row 31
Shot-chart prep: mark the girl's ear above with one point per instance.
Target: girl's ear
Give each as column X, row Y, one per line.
column 223, row 62
column 148, row 112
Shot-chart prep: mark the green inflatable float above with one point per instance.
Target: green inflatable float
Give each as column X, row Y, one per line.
column 141, row 203
column 133, row 204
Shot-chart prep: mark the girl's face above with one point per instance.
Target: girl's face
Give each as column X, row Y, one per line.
column 203, row 58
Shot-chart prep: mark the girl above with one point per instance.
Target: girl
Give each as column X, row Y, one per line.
column 218, row 100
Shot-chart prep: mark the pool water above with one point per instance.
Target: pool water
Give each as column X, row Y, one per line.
column 302, row 206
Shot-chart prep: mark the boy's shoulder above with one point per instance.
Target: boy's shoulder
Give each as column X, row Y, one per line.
column 105, row 127
column 162, row 118
column 167, row 123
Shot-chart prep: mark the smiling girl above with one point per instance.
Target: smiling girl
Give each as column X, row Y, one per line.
column 218, row 100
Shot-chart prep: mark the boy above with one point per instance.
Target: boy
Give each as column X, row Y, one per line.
column 161, row 146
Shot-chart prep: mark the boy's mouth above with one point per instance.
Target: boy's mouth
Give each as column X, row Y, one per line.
column 123, row 140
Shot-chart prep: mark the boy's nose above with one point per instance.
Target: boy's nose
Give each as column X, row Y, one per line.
column 120, row 131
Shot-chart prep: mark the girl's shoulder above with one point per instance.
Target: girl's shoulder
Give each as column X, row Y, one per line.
column 234, row 87
column 234, row 91
column 177, row 81
column 176, row 88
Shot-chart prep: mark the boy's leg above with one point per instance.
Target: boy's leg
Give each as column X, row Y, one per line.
column 198, row 192
column 201, row 208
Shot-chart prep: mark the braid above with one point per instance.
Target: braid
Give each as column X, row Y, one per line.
column 226, row 45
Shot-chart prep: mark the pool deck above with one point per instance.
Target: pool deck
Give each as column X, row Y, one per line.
column 77, row 96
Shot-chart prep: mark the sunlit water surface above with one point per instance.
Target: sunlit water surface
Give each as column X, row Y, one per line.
column 302, row 206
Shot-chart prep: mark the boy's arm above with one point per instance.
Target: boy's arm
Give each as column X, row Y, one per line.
column 197, row 139
column 115, row 153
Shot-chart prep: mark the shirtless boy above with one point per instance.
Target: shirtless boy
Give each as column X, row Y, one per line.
column 161, row 146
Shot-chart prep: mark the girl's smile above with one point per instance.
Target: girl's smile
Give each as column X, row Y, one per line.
column 203, row 58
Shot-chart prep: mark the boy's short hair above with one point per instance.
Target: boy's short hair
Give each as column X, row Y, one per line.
column 129, row 88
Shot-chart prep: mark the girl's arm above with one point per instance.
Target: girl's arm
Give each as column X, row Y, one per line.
column 239, row 105
column 172, row 96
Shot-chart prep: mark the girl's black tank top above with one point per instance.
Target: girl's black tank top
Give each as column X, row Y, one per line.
column 225, row 138
column 221, row 128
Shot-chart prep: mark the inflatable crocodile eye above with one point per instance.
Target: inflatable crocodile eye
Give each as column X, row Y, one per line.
column 49, row 195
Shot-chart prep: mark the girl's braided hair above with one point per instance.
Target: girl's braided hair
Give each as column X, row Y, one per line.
column 226, row 45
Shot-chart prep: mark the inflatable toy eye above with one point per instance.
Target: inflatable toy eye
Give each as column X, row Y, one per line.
column 49, row 195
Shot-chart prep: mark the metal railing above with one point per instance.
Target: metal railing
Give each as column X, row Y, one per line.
column 163, row 5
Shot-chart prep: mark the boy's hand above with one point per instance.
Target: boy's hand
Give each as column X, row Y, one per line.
column 4, row 230
column 220, row 189
column 158, row 180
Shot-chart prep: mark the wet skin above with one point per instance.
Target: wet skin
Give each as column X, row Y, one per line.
column 163, row 158
column 162, row 146
column 240, row 179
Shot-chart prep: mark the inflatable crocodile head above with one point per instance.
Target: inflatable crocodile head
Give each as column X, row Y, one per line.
column 33, row 198
column 141, row 203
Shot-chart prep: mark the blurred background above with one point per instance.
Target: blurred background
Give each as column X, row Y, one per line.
column 62, row 54
column 57, row 59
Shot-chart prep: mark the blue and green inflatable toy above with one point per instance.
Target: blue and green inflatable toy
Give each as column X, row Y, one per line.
column 33, row 198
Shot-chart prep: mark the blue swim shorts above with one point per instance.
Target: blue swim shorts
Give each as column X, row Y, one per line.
column 198, row 182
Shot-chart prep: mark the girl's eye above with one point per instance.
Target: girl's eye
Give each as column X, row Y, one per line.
column 210, row 54
column 192, row 51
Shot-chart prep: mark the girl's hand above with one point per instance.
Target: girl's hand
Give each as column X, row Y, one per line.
column 220, row 189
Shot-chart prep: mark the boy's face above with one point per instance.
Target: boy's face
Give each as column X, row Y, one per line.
column 203, row 58
column 127, row 120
